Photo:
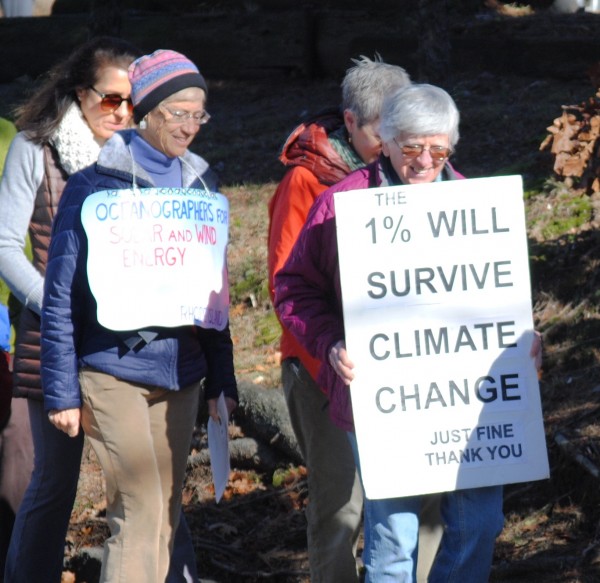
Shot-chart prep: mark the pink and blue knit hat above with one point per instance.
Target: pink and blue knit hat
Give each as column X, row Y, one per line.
column 154, row 77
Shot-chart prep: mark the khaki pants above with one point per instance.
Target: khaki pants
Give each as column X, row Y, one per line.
column 141, row 435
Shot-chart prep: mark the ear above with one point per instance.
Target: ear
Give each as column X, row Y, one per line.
column 350, row 121
column 80, row 92
column 385, row 149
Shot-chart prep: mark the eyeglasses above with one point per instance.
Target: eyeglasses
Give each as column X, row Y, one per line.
column 180, row 117
column 438, row 153
column 110, row 102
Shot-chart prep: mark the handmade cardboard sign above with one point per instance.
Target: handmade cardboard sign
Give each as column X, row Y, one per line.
column 438, row 319
column 157, row 257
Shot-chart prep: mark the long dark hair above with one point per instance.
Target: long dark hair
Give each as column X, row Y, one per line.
column 41, row 113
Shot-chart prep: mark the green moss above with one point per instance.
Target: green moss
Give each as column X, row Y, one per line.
column 561, row 214
column 250, row 284
column 268, row 330
column 567, row 215
column 287, row 476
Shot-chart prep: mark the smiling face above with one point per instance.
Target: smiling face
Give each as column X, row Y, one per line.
column 168, row 134
column 421, row 168
column 104, row 123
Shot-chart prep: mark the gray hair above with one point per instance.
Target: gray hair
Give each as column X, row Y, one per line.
column 419, row 110
column 367, row 83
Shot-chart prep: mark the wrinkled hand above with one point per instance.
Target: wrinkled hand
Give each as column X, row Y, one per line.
column 67, row 420
column 212, row 408
column 339, row 361
column 536, row 350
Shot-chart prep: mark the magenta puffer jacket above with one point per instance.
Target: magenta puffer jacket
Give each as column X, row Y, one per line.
column 308, row 296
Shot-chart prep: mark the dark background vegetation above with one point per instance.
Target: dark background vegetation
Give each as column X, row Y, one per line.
column 510, row 69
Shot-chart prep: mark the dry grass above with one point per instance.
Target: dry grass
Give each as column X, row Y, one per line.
column 254, row 327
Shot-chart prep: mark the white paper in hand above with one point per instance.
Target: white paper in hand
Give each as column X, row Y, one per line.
column 218, row 446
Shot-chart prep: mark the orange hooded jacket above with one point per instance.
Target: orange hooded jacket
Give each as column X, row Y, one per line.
column 314, row 165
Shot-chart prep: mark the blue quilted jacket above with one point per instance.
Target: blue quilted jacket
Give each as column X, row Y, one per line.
column 72, row 338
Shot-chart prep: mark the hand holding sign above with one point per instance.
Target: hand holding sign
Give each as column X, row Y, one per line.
column 341, row 364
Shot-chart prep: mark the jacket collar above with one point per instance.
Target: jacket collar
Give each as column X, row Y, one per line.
column 115, row 159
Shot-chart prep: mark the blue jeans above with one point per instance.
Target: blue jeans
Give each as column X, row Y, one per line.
column 473, row 519
column 43, row 517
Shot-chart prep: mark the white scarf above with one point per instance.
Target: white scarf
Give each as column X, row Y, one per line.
column 75, row 142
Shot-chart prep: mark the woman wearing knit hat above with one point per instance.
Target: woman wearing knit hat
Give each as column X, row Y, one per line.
column 135, row 392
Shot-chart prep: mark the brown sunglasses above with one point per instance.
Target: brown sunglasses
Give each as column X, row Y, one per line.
column 110, row 102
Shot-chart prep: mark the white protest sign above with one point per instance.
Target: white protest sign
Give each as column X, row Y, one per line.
column 438, row 321
column 157, row 257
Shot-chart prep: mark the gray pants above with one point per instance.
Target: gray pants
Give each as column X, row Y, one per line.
column 16, row 465
column 334, row 508
column 16, row 455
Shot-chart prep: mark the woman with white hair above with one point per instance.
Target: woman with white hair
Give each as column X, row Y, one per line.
column 419, row 131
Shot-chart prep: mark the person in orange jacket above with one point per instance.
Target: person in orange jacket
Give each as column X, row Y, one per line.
column 319, row 153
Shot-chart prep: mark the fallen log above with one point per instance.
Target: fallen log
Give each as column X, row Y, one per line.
column 564, row 443
column 244, row 453
column 263, row 414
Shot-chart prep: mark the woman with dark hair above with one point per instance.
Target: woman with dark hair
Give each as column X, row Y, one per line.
column 79, row 105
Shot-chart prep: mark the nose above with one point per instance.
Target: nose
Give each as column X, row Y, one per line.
column 123, row 109
column 190, row 127
column 425, row 157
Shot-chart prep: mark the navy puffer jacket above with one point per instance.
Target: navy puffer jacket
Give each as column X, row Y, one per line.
column 72, row 338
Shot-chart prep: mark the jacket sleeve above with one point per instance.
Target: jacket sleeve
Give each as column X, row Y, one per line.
column 218, row 349
column 288, row 210
column 23, row 175
column 307, row 292
column 65, row 274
